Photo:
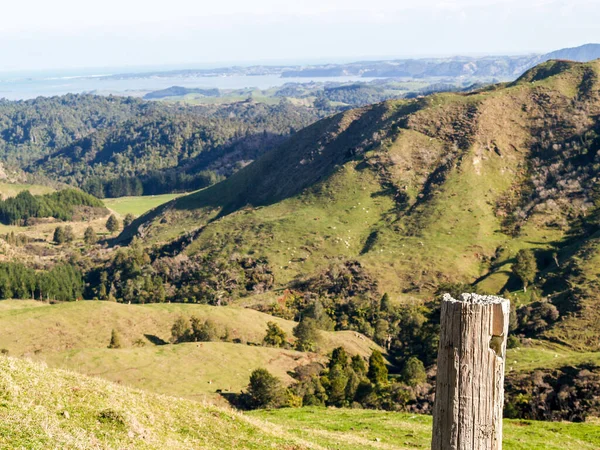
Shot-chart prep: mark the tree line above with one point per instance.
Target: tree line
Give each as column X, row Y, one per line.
column 60, row 205
column 63, row 282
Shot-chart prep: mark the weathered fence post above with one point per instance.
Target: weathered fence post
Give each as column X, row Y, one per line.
column 467, row 413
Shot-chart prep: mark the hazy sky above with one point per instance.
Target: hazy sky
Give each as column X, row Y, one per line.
column 41, row 34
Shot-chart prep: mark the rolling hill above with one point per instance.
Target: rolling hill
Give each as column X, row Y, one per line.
column 48, row 408
column 75, row 336
column 445, row 188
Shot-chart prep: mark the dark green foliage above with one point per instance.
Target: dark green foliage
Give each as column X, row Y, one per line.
column 536, row 317
column 180, row 331
column 171, row 148
column 265, row 390
column 565, row 393
column 63, row 282
column 385, row 303
column 89, row 236
column 525, row 267
column 413, row 372
column 378, row 371
column 343, row 383
column 112, row 224
column 115, row 339
column 59, row 236
column 204, row 331
column 135, row 275
column 275, row 336
column 356, row 95
column 61, row 205
column 307, row 335
column 69, row 233
column 128, row 219
column 32, row 128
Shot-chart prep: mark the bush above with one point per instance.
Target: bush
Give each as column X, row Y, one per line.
column 129, row 218
column 307, row 335
column 378, row 372
column 180, row 331
column 115, row 340
column 265, row 390
column 413, row 372
column 275, row 336
column 206, row 331
column 112, row 224
column 89, row 236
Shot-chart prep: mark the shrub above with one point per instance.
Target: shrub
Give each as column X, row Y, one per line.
column 180, row 331
column 128, row 219
column 89, row 236
column 275, row 336
column 206, row 331
column 59, row 236
column 413, row 372
column 115, row 340
column 112, row 224
column 525, row 267
column 307, row 335
column 378, row 372
column 265, row 390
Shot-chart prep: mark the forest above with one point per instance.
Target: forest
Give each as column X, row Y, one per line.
column 60, row 205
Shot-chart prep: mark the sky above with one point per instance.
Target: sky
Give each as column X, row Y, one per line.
column 65, row 34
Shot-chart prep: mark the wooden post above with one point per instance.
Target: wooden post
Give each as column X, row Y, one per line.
column 469, row 399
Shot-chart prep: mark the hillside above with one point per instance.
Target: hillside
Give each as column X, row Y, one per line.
column 45, row 408
column 445, row 188
column 75, row 336
column 171, row 148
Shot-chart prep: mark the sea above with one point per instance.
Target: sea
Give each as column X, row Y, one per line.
column 22, row 86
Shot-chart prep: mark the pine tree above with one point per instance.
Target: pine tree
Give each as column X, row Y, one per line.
column 378, row 372
column 59, row 235
column 115, row 339
column 112, row 224
column 89, row 236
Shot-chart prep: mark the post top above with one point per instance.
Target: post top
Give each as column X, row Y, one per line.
column 476, row 299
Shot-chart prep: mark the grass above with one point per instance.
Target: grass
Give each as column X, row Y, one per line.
column 363, row 429
column 42, row 408
column 137, row 205
column 48, row 408
column 547, row 355
column 12, row 189
column 75, row 336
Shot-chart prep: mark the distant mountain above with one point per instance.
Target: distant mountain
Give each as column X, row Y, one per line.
column 498, row 67
column 583, row 53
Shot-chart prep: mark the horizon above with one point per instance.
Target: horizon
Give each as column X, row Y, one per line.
column 333, row 60
column 65, row 35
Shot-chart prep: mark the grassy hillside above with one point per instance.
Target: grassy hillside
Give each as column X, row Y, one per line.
column 46, row 408
column 446, row 188
column 12, row 189
column 137, row 205
column 360, row 429
column 76, row 335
